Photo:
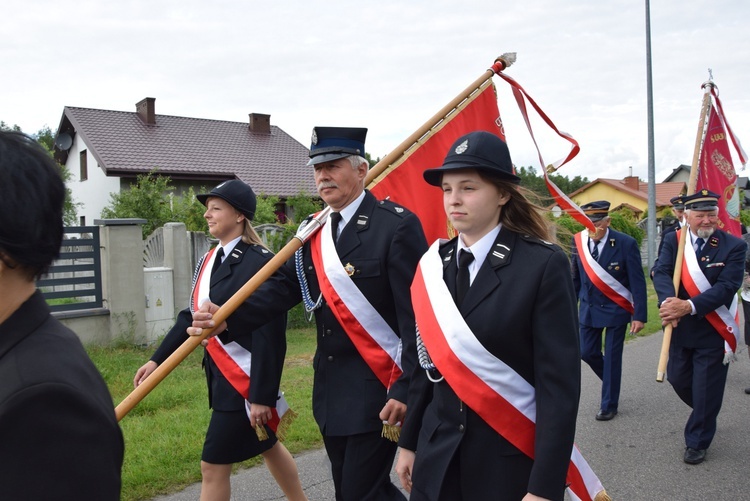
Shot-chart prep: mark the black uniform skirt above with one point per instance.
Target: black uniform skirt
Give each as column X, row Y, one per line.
column 231, row 439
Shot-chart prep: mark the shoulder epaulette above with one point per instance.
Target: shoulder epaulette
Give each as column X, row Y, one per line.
column 534, row 240
column 261, row 250
column 399, row 210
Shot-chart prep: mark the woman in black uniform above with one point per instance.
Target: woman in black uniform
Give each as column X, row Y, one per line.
column 494, row 414
column 239, row 406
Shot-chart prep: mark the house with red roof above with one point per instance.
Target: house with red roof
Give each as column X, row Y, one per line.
column 106, row 150
column 630, row 193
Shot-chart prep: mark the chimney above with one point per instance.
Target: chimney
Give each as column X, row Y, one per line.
column 146, row 110
column 632, row 182
column 260, row 123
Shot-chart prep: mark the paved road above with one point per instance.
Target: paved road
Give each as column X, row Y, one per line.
column 637, row 455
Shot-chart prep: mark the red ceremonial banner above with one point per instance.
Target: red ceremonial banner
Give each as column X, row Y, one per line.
column 716, row 173
column 403, row 182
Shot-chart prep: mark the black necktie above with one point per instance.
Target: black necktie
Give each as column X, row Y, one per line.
column 462, row 277
column 699, row 245
column 335, row 218
column 595, row 251
column 217, row 260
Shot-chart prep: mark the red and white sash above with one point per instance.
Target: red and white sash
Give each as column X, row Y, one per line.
column 374, row 339
column 606, row 283
column 724, row 320
column 500, row 396
column 234, row 362
column 202, row 280
column 232, row 359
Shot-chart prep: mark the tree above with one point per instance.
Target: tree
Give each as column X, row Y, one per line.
column 370, row 160
column 300, row 206
column 622, row 220
column 265, row 210
column 146, row 199
column 536, row 183
column 152, row 198
column 46, row 137
column 187, row 209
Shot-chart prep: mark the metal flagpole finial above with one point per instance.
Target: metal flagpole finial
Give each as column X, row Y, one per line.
column 507, row 59
column 709, row 84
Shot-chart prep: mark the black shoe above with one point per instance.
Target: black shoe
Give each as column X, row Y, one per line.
column 605, row 415
column 747, row 390
column 694, row 456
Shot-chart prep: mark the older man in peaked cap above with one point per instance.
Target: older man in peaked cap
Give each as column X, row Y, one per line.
column 705, row 334
column 608, row 275
column 354, row 274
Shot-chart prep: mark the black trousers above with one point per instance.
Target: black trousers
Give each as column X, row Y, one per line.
column 361, row 467
column 698, row 376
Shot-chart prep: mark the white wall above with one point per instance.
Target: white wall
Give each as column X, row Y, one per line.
column 94, row 192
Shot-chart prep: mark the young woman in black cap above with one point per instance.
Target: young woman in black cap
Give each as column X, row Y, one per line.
column 493, row 413
column 245, row 414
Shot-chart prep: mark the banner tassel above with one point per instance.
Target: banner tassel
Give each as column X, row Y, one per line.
column 391, row 431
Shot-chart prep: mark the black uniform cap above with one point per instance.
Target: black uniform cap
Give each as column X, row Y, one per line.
column 596, row 211
column 332, row 143
column 702, row 200
column 478, row 150
column 238, row 194
column 678, row 202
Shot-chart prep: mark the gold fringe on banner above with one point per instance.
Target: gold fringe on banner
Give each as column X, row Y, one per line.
column 391, row 431
column 602, row 496
column 286, row 421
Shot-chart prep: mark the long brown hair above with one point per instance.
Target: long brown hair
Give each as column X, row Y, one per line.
column 520, row 214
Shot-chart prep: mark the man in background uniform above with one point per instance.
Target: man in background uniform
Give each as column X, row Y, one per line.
column 608, row 275
column 702, row 314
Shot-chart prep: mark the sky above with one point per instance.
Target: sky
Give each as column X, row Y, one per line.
column 390, row 66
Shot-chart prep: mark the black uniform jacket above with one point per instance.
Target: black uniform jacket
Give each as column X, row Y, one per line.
column 383, row 243
column 722, row 261
column 522, row 308
column 59, row 438
column 267, row 342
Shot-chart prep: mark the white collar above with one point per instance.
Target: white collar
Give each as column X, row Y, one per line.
column 480, row 248
column 350, row 210
column 229, row 247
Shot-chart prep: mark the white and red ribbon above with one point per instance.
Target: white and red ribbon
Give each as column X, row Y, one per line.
column 560, row 198
column 234, row 362
column 500, row 396
column 202, row 281
column 374, row 339
column 606, row 283
column 735, row 140
column 724, row 320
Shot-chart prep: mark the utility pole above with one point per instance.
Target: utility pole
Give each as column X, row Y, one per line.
column 651, row 228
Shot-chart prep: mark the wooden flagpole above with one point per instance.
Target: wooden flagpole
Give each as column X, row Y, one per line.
column 163, row 370
column 677, row 276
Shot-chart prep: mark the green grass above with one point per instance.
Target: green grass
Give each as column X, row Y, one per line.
column 164, row 433
column 654, row 322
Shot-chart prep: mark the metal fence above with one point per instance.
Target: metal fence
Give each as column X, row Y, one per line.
column 74, row 281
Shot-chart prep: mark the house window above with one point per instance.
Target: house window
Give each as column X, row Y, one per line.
column 84, row 166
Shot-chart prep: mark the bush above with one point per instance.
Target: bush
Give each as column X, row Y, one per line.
column 145, row 200
column 622, row 220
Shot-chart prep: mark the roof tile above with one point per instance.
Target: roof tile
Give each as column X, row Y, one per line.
column 274, row 164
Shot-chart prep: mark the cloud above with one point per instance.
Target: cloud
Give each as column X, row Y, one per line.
column 389, row 66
